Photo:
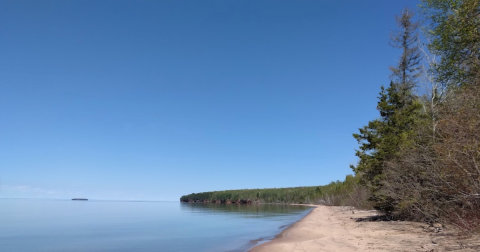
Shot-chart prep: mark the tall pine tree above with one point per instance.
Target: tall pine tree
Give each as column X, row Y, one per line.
column 381, row 139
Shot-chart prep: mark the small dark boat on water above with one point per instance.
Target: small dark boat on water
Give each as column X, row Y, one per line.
column 79, row 199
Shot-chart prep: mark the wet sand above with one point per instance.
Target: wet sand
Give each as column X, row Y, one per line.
column 346, row 229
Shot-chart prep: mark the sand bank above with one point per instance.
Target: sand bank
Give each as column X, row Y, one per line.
column 338, row 229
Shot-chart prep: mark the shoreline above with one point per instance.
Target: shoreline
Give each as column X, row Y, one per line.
column 261, row 241
column 280, row 235
column 328, row 228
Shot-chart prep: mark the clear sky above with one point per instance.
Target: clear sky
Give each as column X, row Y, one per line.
column 150, row 100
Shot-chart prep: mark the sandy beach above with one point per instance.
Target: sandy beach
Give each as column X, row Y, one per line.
column 346, row 229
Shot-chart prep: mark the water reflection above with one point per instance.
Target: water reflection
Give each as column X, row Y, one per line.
column 244, row 210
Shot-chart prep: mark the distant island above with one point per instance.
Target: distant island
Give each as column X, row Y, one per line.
column 79, row 199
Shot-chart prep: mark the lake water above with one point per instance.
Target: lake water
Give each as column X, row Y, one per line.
column 123, row 226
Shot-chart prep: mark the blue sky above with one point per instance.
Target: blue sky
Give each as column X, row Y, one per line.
column 150, row 100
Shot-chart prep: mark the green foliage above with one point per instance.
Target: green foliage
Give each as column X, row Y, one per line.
column 454, row 31
column 336, row 193
column 381, row 139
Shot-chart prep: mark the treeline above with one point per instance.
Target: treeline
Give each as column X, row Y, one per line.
column 346, row 192
column 420, row 160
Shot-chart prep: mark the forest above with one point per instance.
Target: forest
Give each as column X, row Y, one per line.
column 347, row 192
column 420, row 158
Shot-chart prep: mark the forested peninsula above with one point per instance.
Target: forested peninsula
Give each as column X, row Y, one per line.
column 420, row 158
column 347, row 192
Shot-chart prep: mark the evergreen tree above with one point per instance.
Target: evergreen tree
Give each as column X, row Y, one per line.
column 381, row 139
column 406, row 73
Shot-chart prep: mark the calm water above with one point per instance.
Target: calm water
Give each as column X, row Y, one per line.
column 107, row 226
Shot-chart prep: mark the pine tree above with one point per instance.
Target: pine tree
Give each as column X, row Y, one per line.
column 381, row 139
column 408, row 70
